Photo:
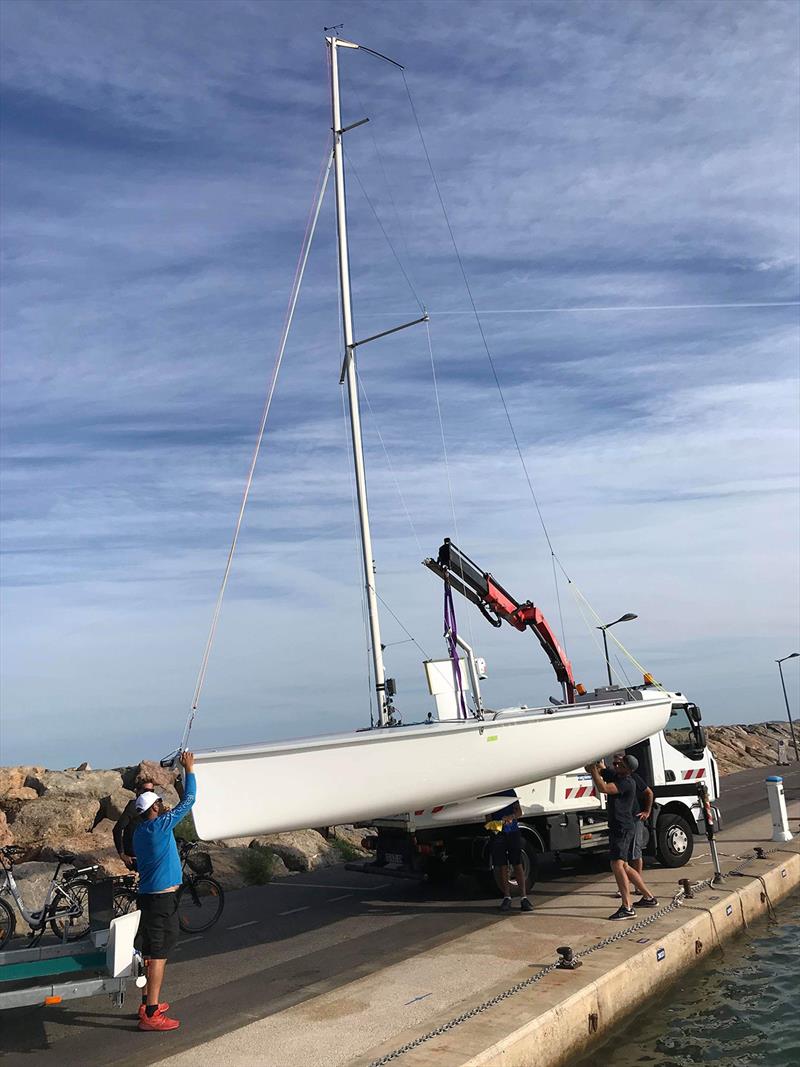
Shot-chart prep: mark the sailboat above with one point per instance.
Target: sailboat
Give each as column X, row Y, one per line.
column 393, row 766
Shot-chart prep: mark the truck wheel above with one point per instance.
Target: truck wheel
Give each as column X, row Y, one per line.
column 674, row 840
column 530, row 865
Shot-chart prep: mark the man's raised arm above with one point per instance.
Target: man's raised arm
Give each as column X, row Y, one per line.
column 603, row 787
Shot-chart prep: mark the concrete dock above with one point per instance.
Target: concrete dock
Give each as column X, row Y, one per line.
column 494, row 997
column 335, row 968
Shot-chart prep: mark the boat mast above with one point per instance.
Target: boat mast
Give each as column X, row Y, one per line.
column 384, row 702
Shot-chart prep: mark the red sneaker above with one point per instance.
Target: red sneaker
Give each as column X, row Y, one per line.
column 161, row 1008
column 159, row 1021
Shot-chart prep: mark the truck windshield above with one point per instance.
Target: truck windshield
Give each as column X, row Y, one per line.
column 685, row 732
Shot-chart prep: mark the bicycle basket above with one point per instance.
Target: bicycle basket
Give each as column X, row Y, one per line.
column 200, row 862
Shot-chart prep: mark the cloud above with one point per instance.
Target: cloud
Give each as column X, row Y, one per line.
column 160, row 168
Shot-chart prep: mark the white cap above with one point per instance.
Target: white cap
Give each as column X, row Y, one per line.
column 145, row 801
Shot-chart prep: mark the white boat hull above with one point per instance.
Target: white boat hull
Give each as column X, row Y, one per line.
column 355, row 777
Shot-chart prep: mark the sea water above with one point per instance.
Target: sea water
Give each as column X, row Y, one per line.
column 739, row 1009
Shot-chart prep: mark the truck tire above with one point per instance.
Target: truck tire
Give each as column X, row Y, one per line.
column 530, row 865
column 674, row 840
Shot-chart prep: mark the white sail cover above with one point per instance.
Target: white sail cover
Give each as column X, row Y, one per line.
column 355, row 777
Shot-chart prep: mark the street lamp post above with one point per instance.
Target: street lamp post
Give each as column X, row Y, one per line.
column 628, row 617
column 791, row 655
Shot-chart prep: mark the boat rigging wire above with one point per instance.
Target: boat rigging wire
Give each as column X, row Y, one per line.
column 352, row 167
column 488, row 352
column 375, row 424
column 294, row 294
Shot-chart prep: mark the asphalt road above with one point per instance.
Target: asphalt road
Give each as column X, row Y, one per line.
column 282, row 943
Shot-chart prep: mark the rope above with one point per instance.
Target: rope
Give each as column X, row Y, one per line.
column 446, row 458
column 294, row 294
column 451, row 636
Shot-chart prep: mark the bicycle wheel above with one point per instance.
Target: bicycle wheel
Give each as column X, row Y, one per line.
column 124, row 901
column 200, row 904
column 71, row 927
column 7, row 923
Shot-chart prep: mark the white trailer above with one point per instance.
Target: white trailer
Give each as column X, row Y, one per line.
column 564, row 813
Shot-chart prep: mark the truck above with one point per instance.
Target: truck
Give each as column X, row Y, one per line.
column 563, row 813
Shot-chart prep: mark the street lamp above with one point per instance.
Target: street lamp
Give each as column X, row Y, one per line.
column 629, row 617
column 791, row 655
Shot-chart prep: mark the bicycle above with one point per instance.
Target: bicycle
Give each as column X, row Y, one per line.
column 66, row 904
column 201, row 899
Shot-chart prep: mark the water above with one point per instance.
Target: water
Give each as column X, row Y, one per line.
column 740, row 1010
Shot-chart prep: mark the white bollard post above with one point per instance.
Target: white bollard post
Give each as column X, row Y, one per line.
column 777, row 808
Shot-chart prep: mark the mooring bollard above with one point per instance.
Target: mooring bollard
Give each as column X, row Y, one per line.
column 777, row 807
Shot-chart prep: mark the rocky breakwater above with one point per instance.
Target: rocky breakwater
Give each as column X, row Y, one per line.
column 47, row 812
column 739, row 747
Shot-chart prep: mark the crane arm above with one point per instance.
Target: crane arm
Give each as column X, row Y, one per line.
column 498, row 606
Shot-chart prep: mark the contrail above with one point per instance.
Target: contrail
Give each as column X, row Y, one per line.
column 620, row 307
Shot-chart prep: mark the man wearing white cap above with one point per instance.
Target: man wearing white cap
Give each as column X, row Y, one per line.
column 160, row 877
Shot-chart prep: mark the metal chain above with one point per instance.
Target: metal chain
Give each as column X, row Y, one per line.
column 642, row 924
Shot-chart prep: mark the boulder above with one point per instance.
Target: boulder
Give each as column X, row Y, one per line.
column 352, row 836
column 33, row 880
column 301, row 850
column 104, row 830
column 149, row 770
column 233, row 842
column 22, row 792
column 48, row 818
column 6, row 837
column 88, row 849
column 228, row 866
column 13, row 778
column 95, row 784
column 112, row 806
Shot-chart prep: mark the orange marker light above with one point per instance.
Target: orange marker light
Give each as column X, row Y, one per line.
column 52, row 1000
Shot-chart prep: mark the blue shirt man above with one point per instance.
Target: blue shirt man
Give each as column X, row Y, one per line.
column 160, row 877
column 154, row 843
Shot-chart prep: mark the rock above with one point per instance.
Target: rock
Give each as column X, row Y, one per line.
column 22, row 792
column 150, row 771
column 13, row 778
column 352, row 836
column 33, row 880
column 104, row 830
column 233, row 842
column 6, row 837
column 83, row 767
column 112, row 806
column 48, row 818
column 228, row 866
column 88, row 849
column 301, row 850
column 94, row 784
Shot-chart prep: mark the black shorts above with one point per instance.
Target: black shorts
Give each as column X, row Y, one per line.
column 620, row 844
column 158, row 926
column 506, row 849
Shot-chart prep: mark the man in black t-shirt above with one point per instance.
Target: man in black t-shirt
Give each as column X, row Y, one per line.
column 641, row 810
column 621, row 793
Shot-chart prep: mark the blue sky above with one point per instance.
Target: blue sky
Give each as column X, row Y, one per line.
column 160, row 161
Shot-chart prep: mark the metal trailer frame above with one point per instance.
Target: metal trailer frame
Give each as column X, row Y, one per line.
column 49, row 961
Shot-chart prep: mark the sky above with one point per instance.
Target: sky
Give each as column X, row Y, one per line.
column 621, row 180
